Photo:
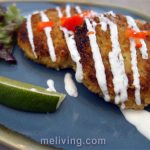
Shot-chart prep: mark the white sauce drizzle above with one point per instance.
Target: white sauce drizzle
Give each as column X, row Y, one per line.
column 103, row 25
column 47, row 30
column 74, row 54
column 98, row 62
column 140, row 119
column 70, row 86
column 133, row 25
column 51, row 86
column 30, row 34
column 68, row 11
column 136, row 75
column 35, row 12
column 60, row 15
column 78, row 9
column 120, row 79
column 110, row 13
column 123, row 106
column 69, row 36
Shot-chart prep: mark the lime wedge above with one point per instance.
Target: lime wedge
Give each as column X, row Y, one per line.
column 28, row 97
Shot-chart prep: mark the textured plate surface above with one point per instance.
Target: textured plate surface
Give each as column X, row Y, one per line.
column 87, row 116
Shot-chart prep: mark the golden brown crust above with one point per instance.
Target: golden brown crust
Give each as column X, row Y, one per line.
column 105, row 45
column 84, row 49
column 41, row 48
column 87, row 62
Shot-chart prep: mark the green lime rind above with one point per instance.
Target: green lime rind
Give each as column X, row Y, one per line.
column 18, row 95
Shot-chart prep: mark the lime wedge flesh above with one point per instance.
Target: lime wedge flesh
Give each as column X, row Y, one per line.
column 28, row 97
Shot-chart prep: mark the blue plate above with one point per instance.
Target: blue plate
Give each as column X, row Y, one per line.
column 86, row 122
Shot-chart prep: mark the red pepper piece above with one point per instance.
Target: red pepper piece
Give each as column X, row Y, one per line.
column 42, row 25
column 138, row 43
column 134, row 34
column 71, row 22
column 130, row 32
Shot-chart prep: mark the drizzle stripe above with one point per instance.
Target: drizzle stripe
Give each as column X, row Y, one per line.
column 136, row 75
column 68, row 11
column 30, row 34
column 47, row 30
column 59, row 12
column 143, row 49
column 78, row 9
column 99, row 66
column 120, row 79
column 69, row 36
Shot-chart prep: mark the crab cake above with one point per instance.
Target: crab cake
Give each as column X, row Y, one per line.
column 123, row 77
column 106, row 60
column 49, row 46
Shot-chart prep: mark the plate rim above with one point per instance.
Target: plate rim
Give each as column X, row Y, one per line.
column 27, row 141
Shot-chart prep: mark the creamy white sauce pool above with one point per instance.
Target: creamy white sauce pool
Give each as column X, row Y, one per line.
column 51, row 86
column 70, row 86
column 140, row 119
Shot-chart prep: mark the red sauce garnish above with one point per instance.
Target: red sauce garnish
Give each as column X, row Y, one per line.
column 131, row 33
column 68, row 22
column 42, row 25
column 138, row 43
column 71, row 22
